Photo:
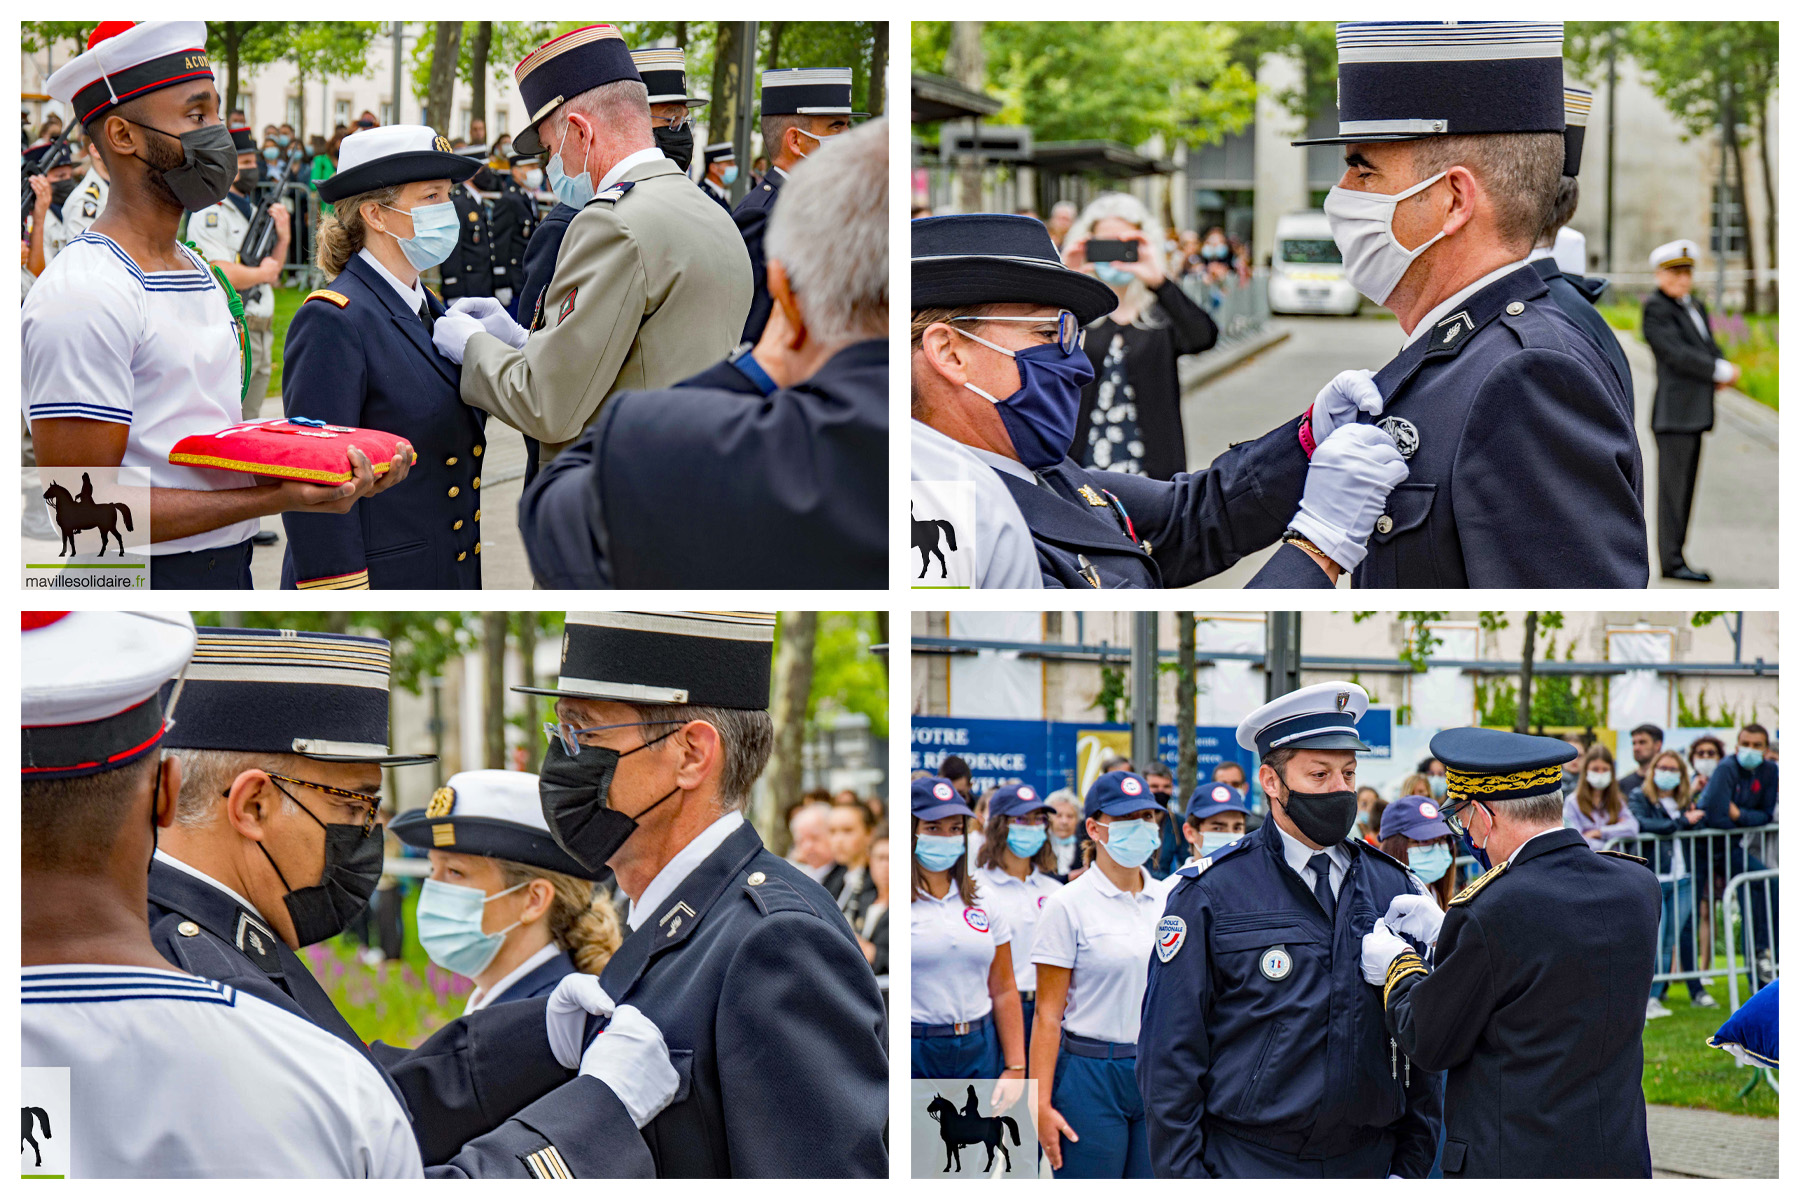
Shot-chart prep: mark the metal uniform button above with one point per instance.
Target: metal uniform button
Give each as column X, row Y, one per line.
column 456, row 527
column 476, row 452
column 451, row 461
column 462, row 556
column 1515, row 308
column 477, row 515
column 188, row 929
column 1384, row 523
column 478, row 547
column 477, row 482
column 756, row 877
column 454, row 492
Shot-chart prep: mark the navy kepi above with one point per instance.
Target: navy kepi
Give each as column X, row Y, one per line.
column 1577, row 102
column 1320, row 717
column 715, row 659
column 1400, row 80
column 1498, row 764
column 998, row 258
column 807, row 92
column 565, row 67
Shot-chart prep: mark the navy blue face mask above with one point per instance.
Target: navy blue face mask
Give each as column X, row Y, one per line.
column 1040, row 416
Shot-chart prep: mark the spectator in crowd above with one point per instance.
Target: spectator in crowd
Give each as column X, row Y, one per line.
column 1130, row 415
column 1416, row 785
column 324, row 166
column 920, row 211
column 1572, row 768
column 1704, row 753
column 846, row 796
column 367, row 120
column 1115, row 762
column 850, row 823
column 1664, row 806
column 1162, row 786
column 1369, row 807
column 1646, row 744
column 1413, row 832
column 1598, row 809
column 1065, row 821
column 810, row 829
column 1433, row 771
column 966, row 1019
column 872, row 933
column 1092, row 950
column 1240, row 260
column 956, row 770
column 1062, row 216
column 1231, row 774
column 1742, row 794
column 1186, row 259
column 1016, row 873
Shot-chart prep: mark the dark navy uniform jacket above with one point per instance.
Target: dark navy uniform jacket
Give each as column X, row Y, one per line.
column 720, row 197
column 1151, row 533
column 1684, row 364
column 1300, row 1064
column 469, row 271
column 541, row 980
column 1535, row 1005
column 462, row 1082
column 513, row 220
column 773, row 1021
column 368, row 361
column 536, row 270
column 752, row 217
column 1577, row 295
column 712, row 483
column 1525, row 469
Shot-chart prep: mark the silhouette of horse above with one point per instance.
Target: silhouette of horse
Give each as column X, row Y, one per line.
column 959, row 1130
column 43, row 1118
column 73, row 516
column 925, row 541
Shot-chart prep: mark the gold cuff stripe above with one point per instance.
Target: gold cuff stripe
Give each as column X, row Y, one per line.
column 547, row 1164
column 1415, row 967
column 1462, row 781
column 355, row 581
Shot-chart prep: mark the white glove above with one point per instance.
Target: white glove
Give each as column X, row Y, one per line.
column 632, row 1059
column 503, row 295
column 565, row 1020
column 1418, row 917
column 451, row 334
column 1347, row 487
column 492, row 315
column 1381, row 946
column 1339, row 401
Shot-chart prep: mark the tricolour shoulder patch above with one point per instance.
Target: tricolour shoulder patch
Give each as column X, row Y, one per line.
column 1474, row 888
column 337, row 298
column 1171, row 931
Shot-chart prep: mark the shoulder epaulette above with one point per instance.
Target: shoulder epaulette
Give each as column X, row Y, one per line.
column 1642, row 862
column 1474, row 888
column 771, row 894
column 337, row 298
column 615, row 192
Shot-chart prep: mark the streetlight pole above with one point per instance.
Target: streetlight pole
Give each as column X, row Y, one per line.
column 1143, row 689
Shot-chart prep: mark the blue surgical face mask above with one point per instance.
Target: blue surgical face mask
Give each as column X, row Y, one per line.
column 729, row 175
column 434, row 236
column 1667, row 781
column 1429, row 862
column 1040, row 416
column 281, row 139
column 1130, row 843
column 450, row 927
column 938, row 851
column 1064, row 842
column 1025, row 840
column 1212, row 843
column 1439, row 786
column 269, row 153
column 1749, row 759
column 573, row 190
column 1112, row 275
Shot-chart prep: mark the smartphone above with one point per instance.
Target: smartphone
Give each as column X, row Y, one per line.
column 1111, row 250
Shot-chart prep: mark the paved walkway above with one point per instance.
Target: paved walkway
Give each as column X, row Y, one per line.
column 1733, row 532
column 1699, row 1143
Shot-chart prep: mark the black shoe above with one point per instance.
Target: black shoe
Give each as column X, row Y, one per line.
column 265, row 537
column 1688, row 574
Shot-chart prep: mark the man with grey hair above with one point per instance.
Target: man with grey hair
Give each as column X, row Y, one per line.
column 651, row 281
column 769, row 469
column 1539, row 1022
column 1524, row 463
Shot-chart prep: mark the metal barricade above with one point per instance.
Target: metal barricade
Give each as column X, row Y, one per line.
column 1238, row 309
column 1749, row 882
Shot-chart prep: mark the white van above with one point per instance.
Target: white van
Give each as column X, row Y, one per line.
column 1306, row 272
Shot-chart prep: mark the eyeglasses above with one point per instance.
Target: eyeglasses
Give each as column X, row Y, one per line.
column 570, row 736
column 1068, row 329
column 681, row 122
column 1452, row 816
column 374, row 802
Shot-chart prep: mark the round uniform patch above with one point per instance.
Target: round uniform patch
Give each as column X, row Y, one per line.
column 1170, row 933
column 942, row 791
column 1276, row 963
column 1025, row 792
column 1221, row 794
column 1404, row 433
column 1041, row 901
column 977, row 919
column 1428, row 810
column 1130, row 786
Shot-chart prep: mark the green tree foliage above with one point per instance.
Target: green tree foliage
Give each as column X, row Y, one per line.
column 512, row 41
column 1311, row 44
column 846, row 676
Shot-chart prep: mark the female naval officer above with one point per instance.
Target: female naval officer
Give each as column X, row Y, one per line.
column 359, row 353
column 966, row 1022
column 505, row 906
column 1016, row 872
column 1092, row 950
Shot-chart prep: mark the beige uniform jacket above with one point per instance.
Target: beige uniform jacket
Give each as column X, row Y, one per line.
column 652, row 285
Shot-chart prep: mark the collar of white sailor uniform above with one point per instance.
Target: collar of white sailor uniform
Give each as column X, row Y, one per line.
column 677, row 869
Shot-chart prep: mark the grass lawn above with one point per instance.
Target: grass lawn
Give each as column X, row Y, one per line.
column 1749, row 341
column 1681, row 1069
column 287, row 303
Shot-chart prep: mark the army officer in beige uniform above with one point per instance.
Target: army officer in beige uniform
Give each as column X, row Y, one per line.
column 652, row 282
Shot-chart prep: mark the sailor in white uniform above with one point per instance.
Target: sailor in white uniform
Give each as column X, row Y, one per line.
column 170, row 1074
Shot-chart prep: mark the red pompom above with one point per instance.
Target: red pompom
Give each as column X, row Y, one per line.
column 107, row 29
column 37, row 620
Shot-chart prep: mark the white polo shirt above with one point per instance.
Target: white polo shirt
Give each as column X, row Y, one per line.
column 952, row 951
column 1018, row 901
column 1105, row 936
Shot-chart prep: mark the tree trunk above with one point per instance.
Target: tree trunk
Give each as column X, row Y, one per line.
column 478, row 70
column 337, row 622
column 1187, row 766
column 681, row 34
column 878, row 64
column 493, row 651
column 967, row 64
column 527, row 635
column 234, row 40
column 1522, row 721
column 793, row 684
column 1736, row 147
column 721, row 116
column 1773, row 217
column 445, row 49
column 881, row 639
column 774, row 45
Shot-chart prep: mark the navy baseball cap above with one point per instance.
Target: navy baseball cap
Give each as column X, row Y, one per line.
column 1415, row 817
column 1211, row 799
column 1119, row 792
column 1498, row 764
column 1016, row 800
column 936, row 797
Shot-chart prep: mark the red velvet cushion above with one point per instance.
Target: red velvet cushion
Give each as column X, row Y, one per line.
column 277, row 447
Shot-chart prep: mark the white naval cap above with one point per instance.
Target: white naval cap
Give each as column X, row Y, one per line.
column 89, row 683
column 495, row 814
column 1679, row 253
column 389, row 155
column 128, row 59
column 1570, row 251
column 1320, row 717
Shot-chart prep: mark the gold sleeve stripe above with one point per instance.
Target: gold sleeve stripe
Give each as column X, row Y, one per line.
column 355, row 581
column 1406, row 964
column 547, row 1164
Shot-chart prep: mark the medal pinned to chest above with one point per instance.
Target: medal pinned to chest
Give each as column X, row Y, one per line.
column 1276, row 963
column 297, row 448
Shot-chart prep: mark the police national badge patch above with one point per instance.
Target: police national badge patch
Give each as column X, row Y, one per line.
column 1170, row 933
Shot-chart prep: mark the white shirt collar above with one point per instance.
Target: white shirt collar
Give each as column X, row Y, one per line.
column 681, row 866
column 479, row 999
column 1540, row 833
column 163, row 856
column 625, row 164
column 1541, row 252
column 1299, row 854
column 1443, row 310
column 1106, row 887
column 413, row 295
column 1000, row 462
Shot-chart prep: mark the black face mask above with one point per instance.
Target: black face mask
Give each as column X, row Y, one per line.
column 677, row 145
column 352, row 869
column 1324, row 817
column 61, row 190
column 573, row 793
column 248, row 178
column 208, row 165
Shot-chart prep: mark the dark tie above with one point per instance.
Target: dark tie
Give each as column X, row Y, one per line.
column 1320, row 864
column 425, row 314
